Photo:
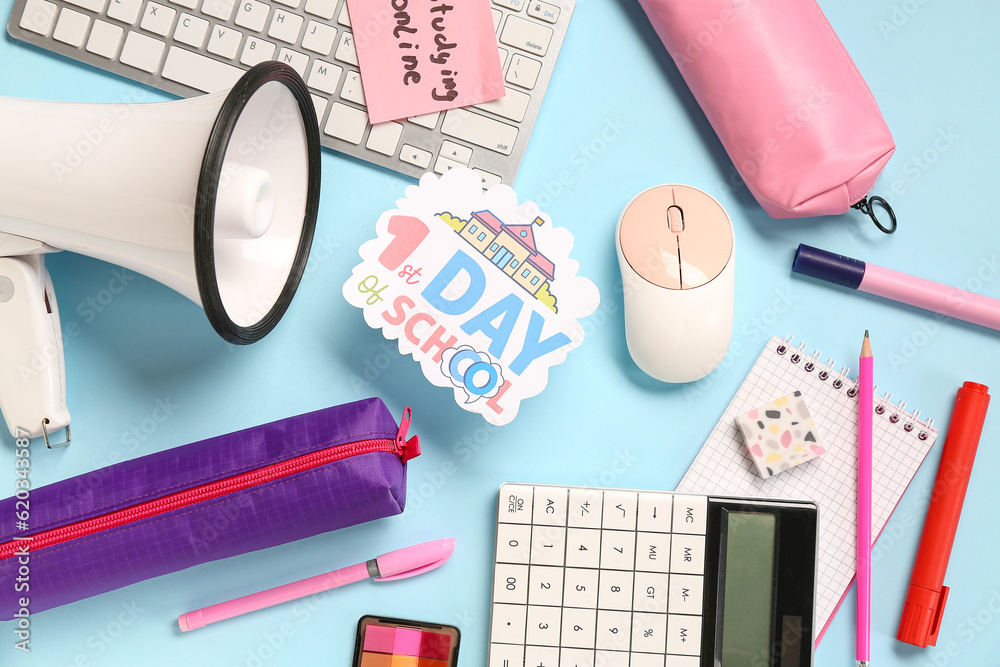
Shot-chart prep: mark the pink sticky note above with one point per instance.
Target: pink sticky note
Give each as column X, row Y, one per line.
column 420, row 56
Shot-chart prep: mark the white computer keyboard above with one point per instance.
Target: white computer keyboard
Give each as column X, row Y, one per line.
column 596, row 577
column 189, row 47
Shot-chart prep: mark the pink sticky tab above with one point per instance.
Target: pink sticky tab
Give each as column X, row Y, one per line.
column 421, row 56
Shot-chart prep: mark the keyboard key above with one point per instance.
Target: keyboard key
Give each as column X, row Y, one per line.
column 428, row 120
column 497, row 15
column 352, row 90
column 503, row 56
column 257, row 51
column 488, row 179
column 321, row 8
column 686, row 591
column 652, row 552
column 617, row 549
column 285, row 26
column 545, row 585
column 200, row 72
column 550, row 502
column 690, row 513
column 346, row 123
column 514, row 5
column 548, row 545
column 39, row 16
column 320, row 104
column 96, row 6
column 225, row 41
column 526, row 35
column 325, row 76
column 576, row 657
column 463, row 154
column 508, row 655
column 511, row 106
column 191, row 30
column 344, row 17
column 515, row 503
column 252, row 15
column 319, row 38
column 384, row 137
column 585, row 507
column 158, row 19
column 510, row 583
column 508, row 623
column 513, row 540
column 523, row 71
column 142, row 52
column 615, row 590
column 536, row 656
column 443, row 165
column 294, row 4
column 346, row 51
column 186, row 4
column 297, row 61
column 649, row 632
column 654, row 660
column 543, row 624
column 479, row 130
column 579, row 627
column 415, row 156
column 684, row 634
column 220, row 9
column 72, row 27
column 543, row 10
column 650, row 592
column 583, row 547
column 619, row 510
column 580, row 588
column 655, row 511
column 614, row 630
column 687, row 554
column 615, row 659
column 104, row 39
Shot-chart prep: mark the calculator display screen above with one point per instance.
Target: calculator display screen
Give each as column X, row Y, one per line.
column 748, row 590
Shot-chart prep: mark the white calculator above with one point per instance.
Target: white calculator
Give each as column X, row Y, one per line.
column 595, row 577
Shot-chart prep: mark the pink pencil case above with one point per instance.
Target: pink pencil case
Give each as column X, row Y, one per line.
column 780, row 90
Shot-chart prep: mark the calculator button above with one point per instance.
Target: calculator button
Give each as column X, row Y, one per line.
column 580, row 588
column 578, row 628
column 574, row 657
column 686, row 592
column 614, row 630
column 649, row 632
column 583, row 547
column 507, row 625
column 612, row 659
column 513, row 543
column 539, row 656
column 682, row 661
column 651, row 660
column 550, row 503
column 689, row 514
column 615, row 591
column 650, row 592
column 510, row 583
column 619, row 510
column 543, row 626
column 687, row 554
column 545, row 585
column 617, row 550
column 652, row 552
column 506, row 655
column 548, row 545
column 515, row 504
column 684, row 634
column 585, row 508
column 655, row 511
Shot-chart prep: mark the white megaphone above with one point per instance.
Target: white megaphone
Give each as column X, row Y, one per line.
column 214, row 196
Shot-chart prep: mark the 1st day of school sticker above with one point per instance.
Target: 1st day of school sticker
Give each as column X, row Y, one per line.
column 479, row 289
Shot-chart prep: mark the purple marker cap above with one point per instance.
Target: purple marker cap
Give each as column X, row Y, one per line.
column 828, row 266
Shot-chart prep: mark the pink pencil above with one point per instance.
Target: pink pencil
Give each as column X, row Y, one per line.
column 865, row 397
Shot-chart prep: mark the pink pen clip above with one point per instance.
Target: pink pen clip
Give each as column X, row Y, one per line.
column 399, row 564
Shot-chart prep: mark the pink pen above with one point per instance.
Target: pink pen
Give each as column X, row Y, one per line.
column 398, row 564
column 902, row 287
column 865, row 400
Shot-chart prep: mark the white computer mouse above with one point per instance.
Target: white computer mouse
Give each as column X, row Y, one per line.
column 676, row 253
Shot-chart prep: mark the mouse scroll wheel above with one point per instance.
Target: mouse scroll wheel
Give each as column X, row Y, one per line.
column 675, row 219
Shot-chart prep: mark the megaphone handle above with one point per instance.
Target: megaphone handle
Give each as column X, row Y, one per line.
column 32, row 364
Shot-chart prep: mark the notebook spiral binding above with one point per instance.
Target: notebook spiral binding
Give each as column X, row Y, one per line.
column 841, row 379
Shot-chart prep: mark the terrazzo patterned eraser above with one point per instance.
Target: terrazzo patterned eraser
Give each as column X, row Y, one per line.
column 780, row 435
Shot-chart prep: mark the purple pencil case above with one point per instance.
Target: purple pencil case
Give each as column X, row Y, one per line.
column 212, row 499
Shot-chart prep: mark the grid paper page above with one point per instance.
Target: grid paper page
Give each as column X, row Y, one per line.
column 899, row 443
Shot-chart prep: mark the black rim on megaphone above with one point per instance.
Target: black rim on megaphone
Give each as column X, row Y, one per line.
column 208, row 184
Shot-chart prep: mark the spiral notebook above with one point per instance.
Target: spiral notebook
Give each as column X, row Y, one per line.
column 900, row 444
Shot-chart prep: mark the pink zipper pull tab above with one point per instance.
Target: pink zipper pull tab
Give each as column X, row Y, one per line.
column 407, row 449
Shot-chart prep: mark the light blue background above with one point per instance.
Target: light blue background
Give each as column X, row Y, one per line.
column 933, row 69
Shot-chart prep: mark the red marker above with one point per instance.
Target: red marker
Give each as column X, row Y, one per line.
column 927, row 594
